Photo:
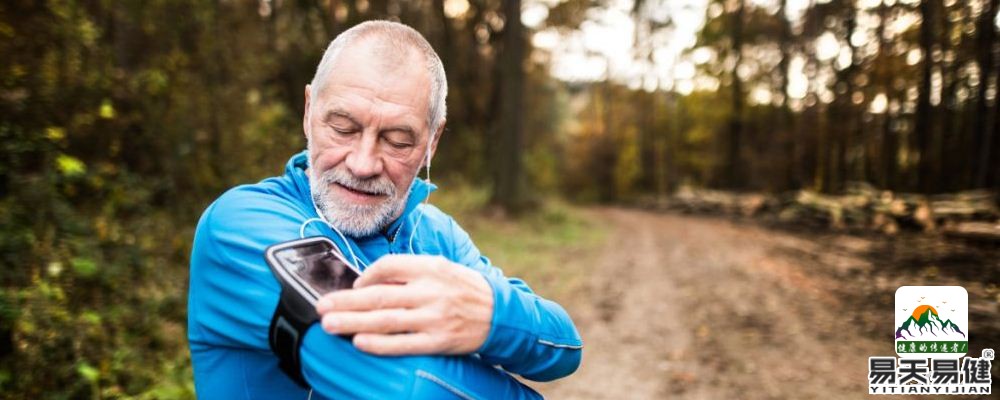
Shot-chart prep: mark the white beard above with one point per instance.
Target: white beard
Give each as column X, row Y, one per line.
column 351, row 219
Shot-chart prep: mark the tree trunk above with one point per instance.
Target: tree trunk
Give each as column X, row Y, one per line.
column 982, row 134
column 733, row 177
column 507, row 192
column 924, row 118
column 886, row 154
column 791, row 166
column 852, row 138
column 949, row 134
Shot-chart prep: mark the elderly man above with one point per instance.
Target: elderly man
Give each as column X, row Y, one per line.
column 429, row 317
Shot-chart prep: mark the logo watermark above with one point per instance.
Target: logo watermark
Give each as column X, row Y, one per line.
column 931, row 336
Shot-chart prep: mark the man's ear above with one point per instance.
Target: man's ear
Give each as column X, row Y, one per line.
column 305, row 113
column 437, row 138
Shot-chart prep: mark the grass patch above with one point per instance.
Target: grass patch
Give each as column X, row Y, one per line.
column 541, row 246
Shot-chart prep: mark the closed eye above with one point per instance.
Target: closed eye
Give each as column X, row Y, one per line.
column 343, row 130
column 399, row 138
column 398, row 145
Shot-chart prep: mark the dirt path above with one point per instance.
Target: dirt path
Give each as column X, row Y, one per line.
column 699, row 308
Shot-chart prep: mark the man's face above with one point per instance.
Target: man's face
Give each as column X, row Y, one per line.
column 368, row 137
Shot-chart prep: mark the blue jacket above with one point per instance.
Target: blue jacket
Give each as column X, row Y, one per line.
column 233, row 295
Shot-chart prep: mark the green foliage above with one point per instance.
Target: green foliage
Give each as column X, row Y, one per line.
column 628, row 165
column 114, row 136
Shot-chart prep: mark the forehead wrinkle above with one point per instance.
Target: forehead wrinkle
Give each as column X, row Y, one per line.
column 387, row 88
column 340, row 112
column 375, row 110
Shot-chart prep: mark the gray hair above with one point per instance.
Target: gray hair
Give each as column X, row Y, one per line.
column 396, row 39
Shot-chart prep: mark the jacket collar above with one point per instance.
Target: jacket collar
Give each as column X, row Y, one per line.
column 296, row 170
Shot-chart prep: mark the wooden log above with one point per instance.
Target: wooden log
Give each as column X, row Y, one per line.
column 861, row 207
column 973, row 205
column 978, row 231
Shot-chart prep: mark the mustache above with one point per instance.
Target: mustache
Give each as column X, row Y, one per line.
column 379, row 186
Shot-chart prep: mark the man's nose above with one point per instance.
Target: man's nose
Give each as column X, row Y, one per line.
column 364, row 161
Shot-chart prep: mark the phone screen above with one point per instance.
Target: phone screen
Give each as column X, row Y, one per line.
column 318, row 266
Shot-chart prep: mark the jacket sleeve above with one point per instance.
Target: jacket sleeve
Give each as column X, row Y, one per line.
column 529, row 335
column 233, row 295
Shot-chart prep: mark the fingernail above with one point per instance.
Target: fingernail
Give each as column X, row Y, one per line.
column 329, row 323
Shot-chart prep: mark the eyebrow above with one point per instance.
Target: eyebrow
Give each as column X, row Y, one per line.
column 342, row 114
column 401, row 128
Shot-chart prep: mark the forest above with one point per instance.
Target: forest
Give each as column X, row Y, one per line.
column 121, row 120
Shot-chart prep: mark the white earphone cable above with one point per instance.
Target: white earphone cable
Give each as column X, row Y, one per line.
column 302, row 235
column 427, row 200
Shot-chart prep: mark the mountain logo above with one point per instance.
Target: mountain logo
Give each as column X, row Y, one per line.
column 925, row 319
column 932, row 321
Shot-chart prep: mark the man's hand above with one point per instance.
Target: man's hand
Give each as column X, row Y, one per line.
column 410, row 304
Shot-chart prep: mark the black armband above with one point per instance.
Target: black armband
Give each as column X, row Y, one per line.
column 291, row 320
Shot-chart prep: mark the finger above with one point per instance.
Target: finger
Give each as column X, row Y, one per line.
column 394, row 268
column 399, row 344
column 379, row 321
column 369, row 298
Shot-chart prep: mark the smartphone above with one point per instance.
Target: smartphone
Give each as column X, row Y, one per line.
column 312, row 267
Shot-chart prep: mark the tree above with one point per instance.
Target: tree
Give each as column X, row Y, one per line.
column 733, row 146
column 984, row 134
column 924, row 117
column 507, row 168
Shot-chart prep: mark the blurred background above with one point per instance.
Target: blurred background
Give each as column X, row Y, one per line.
column 724, row 194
